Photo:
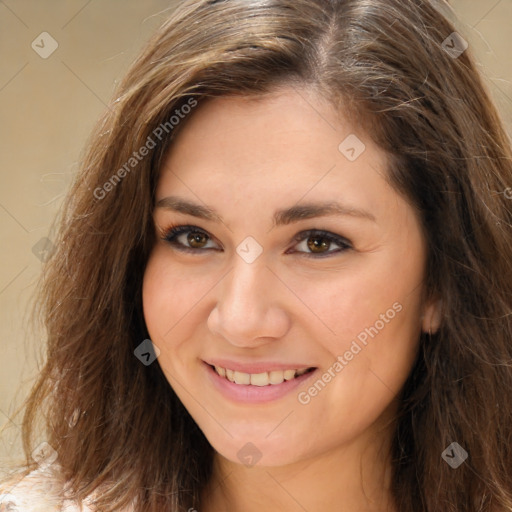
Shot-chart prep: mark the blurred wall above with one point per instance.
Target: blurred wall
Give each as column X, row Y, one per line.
column 48, row 105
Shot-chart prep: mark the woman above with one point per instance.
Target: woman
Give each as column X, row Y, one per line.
column 283, row 276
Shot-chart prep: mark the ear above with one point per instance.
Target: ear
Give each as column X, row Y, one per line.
column 431, row 318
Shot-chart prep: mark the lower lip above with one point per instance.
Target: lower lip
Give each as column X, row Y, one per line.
column 254, row 394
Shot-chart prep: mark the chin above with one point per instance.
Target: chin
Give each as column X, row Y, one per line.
column 256, row 447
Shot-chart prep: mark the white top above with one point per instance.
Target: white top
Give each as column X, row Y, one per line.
column 40, row 491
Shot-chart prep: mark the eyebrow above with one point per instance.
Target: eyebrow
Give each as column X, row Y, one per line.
column 281, row 217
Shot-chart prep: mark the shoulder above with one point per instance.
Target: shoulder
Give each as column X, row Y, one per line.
column 37, row 491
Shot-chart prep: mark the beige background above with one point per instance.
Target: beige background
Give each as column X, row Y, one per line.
column 48, row 107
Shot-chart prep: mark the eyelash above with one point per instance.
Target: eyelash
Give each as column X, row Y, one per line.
column 171, row 234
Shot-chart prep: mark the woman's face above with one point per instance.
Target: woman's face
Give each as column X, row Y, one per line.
column 299, row 257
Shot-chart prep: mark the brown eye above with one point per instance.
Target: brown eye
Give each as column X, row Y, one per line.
column 197, row 239
column 309, row 243
column 188, row 238
column 318, row 244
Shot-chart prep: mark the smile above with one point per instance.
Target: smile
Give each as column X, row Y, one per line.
column 254, row 385
column 273, row 377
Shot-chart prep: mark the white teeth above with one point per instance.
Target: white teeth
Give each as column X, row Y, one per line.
column 259, row 379
column 242, row 378
column 289, row 374
column 276, row 377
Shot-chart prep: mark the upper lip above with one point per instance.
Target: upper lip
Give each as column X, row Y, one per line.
column 256, row 367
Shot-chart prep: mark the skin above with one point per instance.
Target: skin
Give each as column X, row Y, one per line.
column 246, row 158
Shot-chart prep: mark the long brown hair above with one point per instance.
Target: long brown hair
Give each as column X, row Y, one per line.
column 386, row 65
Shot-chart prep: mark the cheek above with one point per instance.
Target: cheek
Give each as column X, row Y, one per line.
column 174, row 298
column 361, row 296
column 168, row 291
column 155, row 289
column 370, row 357
column 165, row 297
column 162, row 307
column 374, row 317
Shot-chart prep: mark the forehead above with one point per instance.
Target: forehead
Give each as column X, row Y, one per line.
column 280, row 147
column 256, row 132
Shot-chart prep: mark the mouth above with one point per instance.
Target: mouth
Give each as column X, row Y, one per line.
column 261, row 379
column 254, row 385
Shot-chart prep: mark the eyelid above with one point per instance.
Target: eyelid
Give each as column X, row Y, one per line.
column 174, row 231
column 321, row 233
column 343, row 243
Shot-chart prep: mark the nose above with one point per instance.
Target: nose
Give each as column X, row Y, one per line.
column 249, row 311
